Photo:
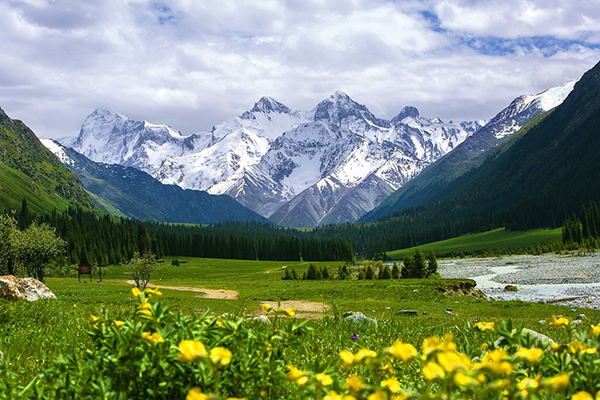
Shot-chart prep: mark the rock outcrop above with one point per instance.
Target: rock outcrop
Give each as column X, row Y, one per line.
column 30, row 289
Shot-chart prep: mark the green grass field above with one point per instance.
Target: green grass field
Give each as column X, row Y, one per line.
column 59, row 326
column 495, row 239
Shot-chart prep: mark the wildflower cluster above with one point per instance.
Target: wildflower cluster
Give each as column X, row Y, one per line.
column 155, row 353
column 287, row 312
column 516, row 366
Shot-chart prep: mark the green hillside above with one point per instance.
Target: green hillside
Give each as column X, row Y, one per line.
column 495, row 239
column 29, row 171
column 537, row 181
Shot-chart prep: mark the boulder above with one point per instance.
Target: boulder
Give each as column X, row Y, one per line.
column 30, row 289
column 358, row 318
column 511, row 288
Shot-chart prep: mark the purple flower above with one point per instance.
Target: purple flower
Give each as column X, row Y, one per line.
column 354, row 337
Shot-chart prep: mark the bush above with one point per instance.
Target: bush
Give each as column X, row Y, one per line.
column 142, row 268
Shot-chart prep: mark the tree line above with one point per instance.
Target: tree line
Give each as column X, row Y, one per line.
column 104, row 240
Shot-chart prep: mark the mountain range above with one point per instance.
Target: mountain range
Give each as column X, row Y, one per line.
column 330, row 164
column 129, row 192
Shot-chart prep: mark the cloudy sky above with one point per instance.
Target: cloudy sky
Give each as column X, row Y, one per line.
column 193, row 63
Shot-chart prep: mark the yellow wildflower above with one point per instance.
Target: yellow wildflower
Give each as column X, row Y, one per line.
column 595, row 330
column 333, row 395
column 484, row 326
column 560, row 321
column 364, row 356
column 354, row 384
column 154, row 292
column 499, row 384
column 289, row 312
column 196, row 394
column 153, row 338
column 582, row 396
column 378, row 395
column 532, row 356
column 432, row 371
column 323, row 379
column 433, row 344
column 401, row 396
column 119, row 324
column 191, row 350
column 495, row 362
column 451, row 361
column 302, row 381
column 402, row 351
column 387, row 368
column 392, row 384
column 220, row 356
column 135, row 292
column 463, row 380
column 348, row 358
column 556, row 383
column 294, row 374
column 266, row 308
column 527, row 386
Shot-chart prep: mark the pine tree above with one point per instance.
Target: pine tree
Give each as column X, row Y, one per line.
column 369, row 273
column 324, row 273
column 407, row 267
column 384, row 272
column 432, row 264
column 395, row 271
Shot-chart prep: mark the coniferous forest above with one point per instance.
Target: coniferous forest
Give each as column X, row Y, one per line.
column 105, row 240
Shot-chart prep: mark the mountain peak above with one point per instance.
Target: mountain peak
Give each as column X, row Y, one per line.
column 268, row 104
column 408, row 111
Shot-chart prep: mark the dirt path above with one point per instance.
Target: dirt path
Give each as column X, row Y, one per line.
column 304, row 309
column 220, row 294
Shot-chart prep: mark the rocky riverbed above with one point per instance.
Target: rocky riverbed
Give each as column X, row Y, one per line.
column 545, row 278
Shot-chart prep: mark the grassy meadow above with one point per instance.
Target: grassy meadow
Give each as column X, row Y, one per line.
column 34, row 334
column 491, row 240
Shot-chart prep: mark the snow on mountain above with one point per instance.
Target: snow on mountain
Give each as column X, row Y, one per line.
column 58, row 151
column 522, row 108
column 296, row 166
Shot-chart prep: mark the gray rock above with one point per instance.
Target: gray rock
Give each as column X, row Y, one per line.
column 576, row 322
column 30, row 289
column 581, row 316
column 359, row 318
column 261, row 318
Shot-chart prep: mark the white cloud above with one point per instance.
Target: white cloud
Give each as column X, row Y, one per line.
column 192, row 64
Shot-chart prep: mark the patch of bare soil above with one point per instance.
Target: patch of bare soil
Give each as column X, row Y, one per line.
column 304, row 309
column 220, row 294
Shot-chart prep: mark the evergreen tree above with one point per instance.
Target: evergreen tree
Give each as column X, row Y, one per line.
column 384, row 272
column 369, row 273
column 432, row 264
column 395, row 271
column 419, row 265
column 324, row 273
column 407, row 267
column 361, row 274
column 313, row 274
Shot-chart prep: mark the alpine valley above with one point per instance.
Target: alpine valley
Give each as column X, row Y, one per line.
column 331, row 164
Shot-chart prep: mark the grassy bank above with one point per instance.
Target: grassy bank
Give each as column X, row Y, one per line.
column 491, row 240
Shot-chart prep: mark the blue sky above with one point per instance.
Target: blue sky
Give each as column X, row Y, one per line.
column 192, row 64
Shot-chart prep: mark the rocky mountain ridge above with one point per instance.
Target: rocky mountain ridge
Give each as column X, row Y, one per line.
column 329, row 164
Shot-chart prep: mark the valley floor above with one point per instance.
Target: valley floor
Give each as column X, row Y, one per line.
column 547, row 278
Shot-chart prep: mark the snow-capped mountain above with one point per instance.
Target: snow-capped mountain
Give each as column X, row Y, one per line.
column 329, row 164
column 471, row 152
